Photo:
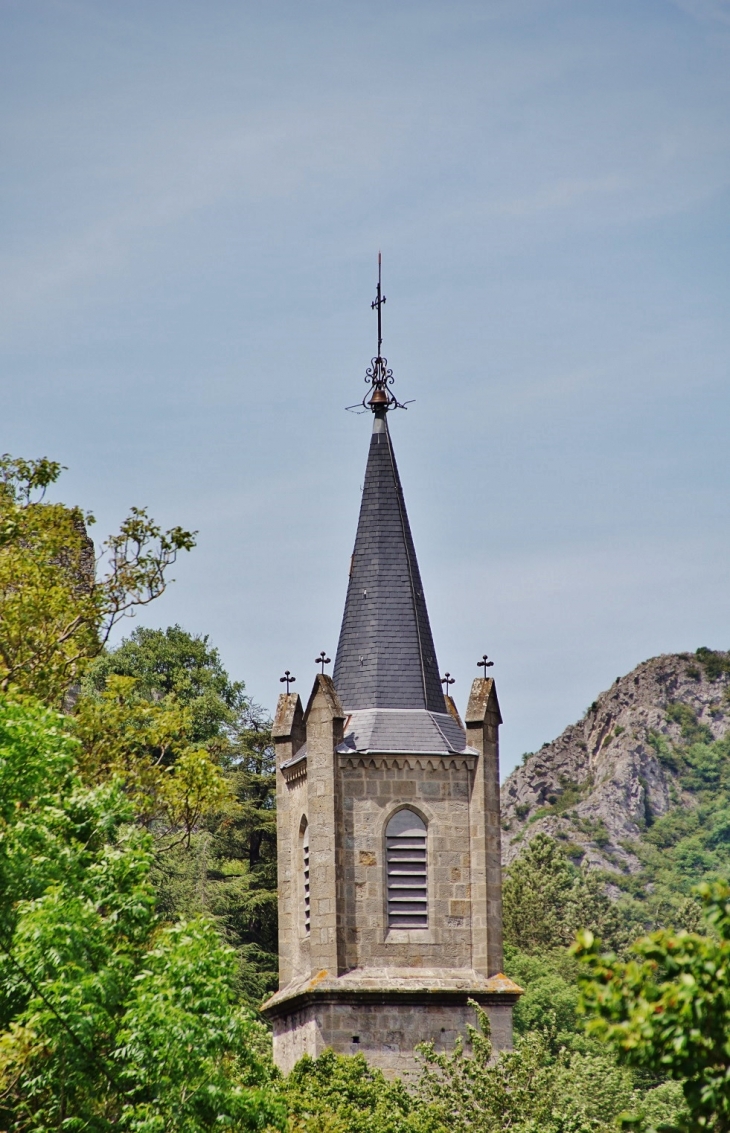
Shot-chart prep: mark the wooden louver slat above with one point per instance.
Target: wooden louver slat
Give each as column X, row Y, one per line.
column 407, row 876
column 305, row 865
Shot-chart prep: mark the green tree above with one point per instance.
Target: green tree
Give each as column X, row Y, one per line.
column 529, row 1089
column 339, row 1094
column 550, row 992
column 56, row 609
column 546, row 899
column 108, row 1019
column 148, row 745
column 667, row 1008
column 157, row 695
column 173, row 662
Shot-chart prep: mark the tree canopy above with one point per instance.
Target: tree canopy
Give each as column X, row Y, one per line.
column 161, row 712
column 667, row 1008
column 58, row 605
column 108, row 1017
column 546, row 899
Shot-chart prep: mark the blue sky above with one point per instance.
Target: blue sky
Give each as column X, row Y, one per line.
column 192, row 200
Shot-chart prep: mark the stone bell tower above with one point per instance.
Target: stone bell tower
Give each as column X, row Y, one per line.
column 390, row 912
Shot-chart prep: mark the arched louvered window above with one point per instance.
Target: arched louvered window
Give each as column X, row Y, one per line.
column 405, row 847
column 305, row 875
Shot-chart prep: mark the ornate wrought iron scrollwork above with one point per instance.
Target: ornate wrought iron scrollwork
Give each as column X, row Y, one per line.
column 378, row 376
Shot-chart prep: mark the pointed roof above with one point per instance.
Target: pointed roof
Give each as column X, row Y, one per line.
column 385, row 657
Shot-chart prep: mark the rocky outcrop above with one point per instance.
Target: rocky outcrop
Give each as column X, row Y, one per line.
column 598, row 784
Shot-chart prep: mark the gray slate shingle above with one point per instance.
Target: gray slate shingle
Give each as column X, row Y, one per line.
column 397, row 730
column 385, row 656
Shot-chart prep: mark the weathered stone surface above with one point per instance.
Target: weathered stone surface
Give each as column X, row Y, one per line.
column 597, row 783
column 386, row 1033
column 350, row 974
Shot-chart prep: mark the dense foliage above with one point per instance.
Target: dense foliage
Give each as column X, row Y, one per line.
column 161, row 712
column 667, row 1008
column 536, row 1088
column 342, row 1094
column 546, row 899
column 108, row 1018
column 56, row 609
column 689, row 843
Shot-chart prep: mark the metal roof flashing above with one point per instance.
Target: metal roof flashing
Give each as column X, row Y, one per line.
column 297, row 758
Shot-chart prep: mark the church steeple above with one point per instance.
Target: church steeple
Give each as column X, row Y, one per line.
column 387, row 813
column 386, row 656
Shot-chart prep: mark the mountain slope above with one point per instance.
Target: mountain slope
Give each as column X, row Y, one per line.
column 641, row 784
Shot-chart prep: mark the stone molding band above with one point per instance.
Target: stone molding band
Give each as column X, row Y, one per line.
column 421, row 997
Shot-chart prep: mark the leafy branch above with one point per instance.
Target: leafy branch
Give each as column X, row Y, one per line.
column 58, row 604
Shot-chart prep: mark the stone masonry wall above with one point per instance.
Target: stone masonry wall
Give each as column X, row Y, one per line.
column 368, row 980
column 373, row 790
column 387, row 1034
column 296, row 944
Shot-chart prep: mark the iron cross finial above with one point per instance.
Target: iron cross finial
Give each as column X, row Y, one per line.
column 485, row 664
column 377, row 303
column 378, row 377
column 288, row 678
column 322, row 660
column 447, row 680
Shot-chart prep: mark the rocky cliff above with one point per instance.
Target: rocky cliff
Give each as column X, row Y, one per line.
column 599, row 785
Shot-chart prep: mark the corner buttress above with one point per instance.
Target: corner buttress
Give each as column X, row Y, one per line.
column 482, row 735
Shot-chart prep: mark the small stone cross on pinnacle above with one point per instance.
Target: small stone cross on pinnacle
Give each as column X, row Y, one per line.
column 288, row 678
column 485, row 664
column 322, row 660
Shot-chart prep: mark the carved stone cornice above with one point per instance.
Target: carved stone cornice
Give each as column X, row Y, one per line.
column 409, row 761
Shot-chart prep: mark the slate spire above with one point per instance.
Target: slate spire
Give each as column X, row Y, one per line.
column 385, row 656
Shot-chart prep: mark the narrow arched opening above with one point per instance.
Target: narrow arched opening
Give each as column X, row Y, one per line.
column 407, row 870
column 305, row 873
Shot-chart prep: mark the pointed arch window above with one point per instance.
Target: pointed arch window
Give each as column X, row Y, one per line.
column 305, row 876
column 407, row 871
